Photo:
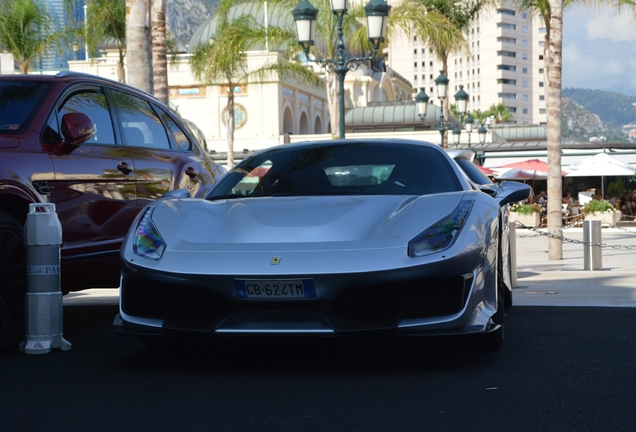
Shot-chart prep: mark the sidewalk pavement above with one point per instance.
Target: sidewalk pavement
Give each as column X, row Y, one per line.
column 565, row 282
column 540, row 281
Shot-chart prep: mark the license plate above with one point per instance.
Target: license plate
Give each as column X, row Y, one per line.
column 275, row 289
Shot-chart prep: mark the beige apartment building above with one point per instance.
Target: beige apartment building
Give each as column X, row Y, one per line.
column 503, row 64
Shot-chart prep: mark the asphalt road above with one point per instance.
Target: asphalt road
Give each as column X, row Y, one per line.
column 560, row 369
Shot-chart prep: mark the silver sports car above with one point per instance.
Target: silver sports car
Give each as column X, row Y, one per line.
column 329, row 238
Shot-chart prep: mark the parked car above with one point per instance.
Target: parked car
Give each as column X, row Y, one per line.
column 100, row 151
column 331, row 238
column 465, row 160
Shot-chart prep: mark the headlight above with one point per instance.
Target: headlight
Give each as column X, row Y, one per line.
column 442, row 234
column 147, row 241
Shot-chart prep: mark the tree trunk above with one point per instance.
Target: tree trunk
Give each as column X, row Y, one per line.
column 138, row 44
column 121, row 72
column 229, row 125
column 159, row 60
column 553, row 103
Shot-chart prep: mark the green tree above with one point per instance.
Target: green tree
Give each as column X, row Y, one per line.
column 461, row 14
column 407, row 17
column 500, row 113
column 222, row 62
column 551, row 11
column 24, row 31
column 105, row 21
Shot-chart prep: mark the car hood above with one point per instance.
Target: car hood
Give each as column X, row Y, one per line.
column 301, row 223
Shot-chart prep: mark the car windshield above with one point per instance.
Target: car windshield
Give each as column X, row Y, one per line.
column 473, row 172
column 18, row 99
column 355, row 168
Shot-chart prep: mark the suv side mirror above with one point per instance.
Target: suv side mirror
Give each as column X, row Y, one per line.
column 77, row 128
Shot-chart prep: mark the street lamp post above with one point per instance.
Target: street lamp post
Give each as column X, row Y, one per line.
column 461, row 101
column 376, row 11
column 481, row 154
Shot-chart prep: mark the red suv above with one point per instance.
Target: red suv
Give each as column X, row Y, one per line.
column 100, row 150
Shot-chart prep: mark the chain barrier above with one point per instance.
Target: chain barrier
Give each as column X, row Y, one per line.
column 540, row 233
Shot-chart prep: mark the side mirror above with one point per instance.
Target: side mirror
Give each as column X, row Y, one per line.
column 510, row 191
column 77, row 128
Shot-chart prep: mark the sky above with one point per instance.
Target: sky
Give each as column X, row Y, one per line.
column 599, row 50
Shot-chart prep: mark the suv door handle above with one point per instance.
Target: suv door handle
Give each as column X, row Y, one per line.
column 125, row 168
column 191, row 172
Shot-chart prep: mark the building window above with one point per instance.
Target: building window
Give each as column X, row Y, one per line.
column 507, row 26
column 525, row 97
column 415, row 78
column 524, row 56
column 431, row 76
column 540, row 70
column 507, row 40
column 525, row 110
column 415, row 65
column 423, row 50
column 541, row 110
column 524, row 70
column 524, row 15
column 512, row 109
column 541, row 57
column 430, row 64
column 507, row 53
column 507, row 12
column 415, row 51
column 524, row 42
column 524, row 29
column 541, row 97
column 541, row 43
column 423, row 77
column 506, row 81
column 507, row 95
column 507, row 67
column 524, row 83
column 542, row 30
column 540, row 83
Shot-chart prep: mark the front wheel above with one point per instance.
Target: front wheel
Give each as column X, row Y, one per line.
column 12, row 282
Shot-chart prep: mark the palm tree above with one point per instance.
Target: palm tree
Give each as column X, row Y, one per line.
column 138, row 43
column 406, row 17
column 24, row 31
column 222, row 61
column 551, row 12
column 462, row 15
column 159, row 50
column 500, row 112
column 105, row 21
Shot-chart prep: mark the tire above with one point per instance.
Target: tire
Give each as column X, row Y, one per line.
column 12, row 282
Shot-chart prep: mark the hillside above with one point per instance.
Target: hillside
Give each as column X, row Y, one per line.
column 615, row 110
column 185, row 16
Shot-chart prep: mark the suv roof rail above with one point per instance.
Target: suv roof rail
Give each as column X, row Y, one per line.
column 72, row 74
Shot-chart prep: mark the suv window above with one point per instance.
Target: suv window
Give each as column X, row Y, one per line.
column 141, row 125
column 93, row 104
column 17, row 101
column 179, row 136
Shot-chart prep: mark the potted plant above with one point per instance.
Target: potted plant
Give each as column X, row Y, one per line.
column 601, row 210
column 526, row 214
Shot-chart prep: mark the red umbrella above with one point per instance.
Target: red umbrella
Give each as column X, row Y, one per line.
column 485, row 170
column 531, row 165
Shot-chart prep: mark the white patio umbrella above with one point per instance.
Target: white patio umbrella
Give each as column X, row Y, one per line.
column 600, row 165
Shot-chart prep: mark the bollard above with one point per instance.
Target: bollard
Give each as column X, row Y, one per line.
column 513, row 253
column 592, row 256
column 43, row 300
